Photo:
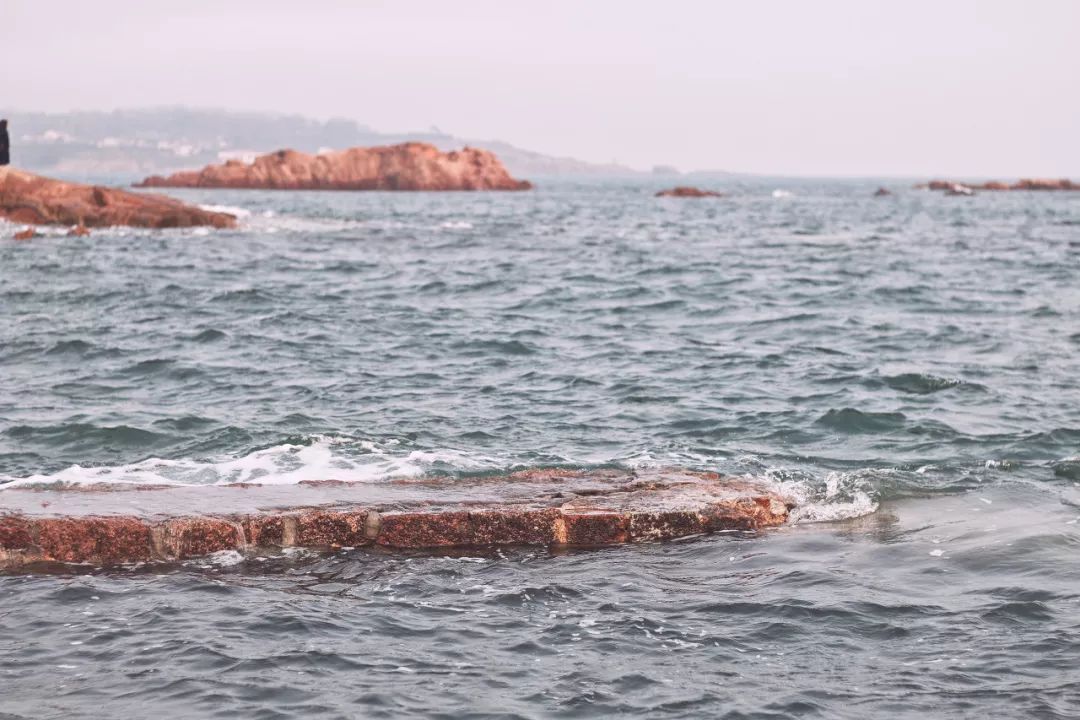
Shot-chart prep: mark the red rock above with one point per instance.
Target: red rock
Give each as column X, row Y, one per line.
column 184, row 538
column 1045, row 184
column 513, row 527
column 29, row 198
column 684, row 191
column 98, row 540
column 79, row 230
column 329, row 529
column 425, row 529
column 882, row 192
column 594, row 529
column 14, row 533
column 27, row 234
column 549, row 507
column 745, row 514
column 267, row 530
column 993, row 186
column 665, row 525
column 409, row 166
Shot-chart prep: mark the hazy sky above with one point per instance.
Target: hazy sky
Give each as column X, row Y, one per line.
column 804, row 87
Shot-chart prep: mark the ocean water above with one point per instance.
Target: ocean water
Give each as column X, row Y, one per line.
column 904, row 368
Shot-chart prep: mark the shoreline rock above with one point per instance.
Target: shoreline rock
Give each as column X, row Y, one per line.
column 37, row 200
column 685, row 191
column 406, row 167
column 110, row 525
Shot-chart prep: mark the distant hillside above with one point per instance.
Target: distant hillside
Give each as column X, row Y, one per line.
column 163, row 140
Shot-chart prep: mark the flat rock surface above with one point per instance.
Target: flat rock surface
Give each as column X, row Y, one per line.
column 37, row 200
column 408, row 166
column 106, row 524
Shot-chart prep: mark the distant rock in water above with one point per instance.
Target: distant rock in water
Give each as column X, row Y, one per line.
column 882, row 192
column 27, row 234
column 409, row 166
column 684, row 191
column 29, row 198
column 950, row 186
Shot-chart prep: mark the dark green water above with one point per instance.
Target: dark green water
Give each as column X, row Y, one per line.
column 904, row 367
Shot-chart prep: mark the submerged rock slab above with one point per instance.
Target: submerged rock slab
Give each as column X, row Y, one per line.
column 408, row 166
column 37, row 200
column 115, row 524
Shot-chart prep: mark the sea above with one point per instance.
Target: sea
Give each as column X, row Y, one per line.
column 903, row 368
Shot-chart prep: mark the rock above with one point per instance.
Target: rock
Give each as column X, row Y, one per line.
column 79, row 230
column 27, row 234
column 115, row 524
column 409, row 166
column 882, row 192
column 29, row 198
column 684, row 191
column 996, row 186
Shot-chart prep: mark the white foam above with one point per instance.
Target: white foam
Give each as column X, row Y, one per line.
column 838, row 496
column 841, row 497
column 238, row 212
column 324, row 458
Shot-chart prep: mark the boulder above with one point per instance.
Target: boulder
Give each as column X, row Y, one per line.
column 29, row 198
column 27, row 234
column 409, row 166
column 79, row 230
column 684, row 191
column 882, row 192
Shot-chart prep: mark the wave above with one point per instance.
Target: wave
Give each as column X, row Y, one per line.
column 238, row 212
column 323, row 458
column 926, row 384
column 838, row 496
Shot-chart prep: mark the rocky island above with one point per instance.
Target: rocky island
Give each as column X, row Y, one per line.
column 408, row 166
column 36, row 200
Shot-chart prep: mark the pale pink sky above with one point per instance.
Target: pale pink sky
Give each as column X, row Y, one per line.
column 824, row 87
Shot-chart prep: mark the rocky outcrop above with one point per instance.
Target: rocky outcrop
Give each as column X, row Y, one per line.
column 684, row 191
column 124, row 524
column 409, row 166
column 37, row 200
column 882, row 192
column 996, row 186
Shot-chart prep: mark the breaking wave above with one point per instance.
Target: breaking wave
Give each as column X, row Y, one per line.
column 838, row 496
